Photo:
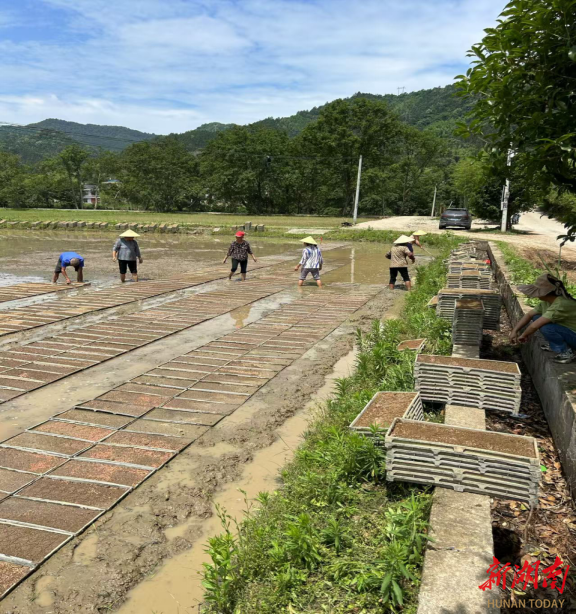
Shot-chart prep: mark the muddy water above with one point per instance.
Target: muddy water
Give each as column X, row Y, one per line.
column 31, row 256
column 176, row 587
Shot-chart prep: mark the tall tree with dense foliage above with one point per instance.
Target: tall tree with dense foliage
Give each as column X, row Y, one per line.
column 161, row 176
column 523, row 77
column 73, row 159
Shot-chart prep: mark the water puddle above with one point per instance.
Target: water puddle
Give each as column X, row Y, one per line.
column 176, row 586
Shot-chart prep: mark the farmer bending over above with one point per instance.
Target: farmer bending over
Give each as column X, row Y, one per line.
column 311, row 261
column 239, row 250
column 399, row 256
column 554, row 317
column 67, row 259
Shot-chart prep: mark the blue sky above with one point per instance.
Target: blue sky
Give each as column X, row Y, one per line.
column 170, row 65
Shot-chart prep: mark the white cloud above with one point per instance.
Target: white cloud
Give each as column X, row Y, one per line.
column 169, row 66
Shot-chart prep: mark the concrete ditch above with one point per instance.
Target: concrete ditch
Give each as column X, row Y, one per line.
column 554, row 383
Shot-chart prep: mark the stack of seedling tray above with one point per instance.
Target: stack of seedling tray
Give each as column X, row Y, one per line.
column 416, row 345
column 468, row 322
column 463, row 459
column 459, row 265
column 470, row 279
column 485, row 384
column 490, row 299
column 382, row 410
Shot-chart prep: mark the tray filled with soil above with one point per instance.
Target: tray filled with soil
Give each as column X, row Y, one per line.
column 384, row 407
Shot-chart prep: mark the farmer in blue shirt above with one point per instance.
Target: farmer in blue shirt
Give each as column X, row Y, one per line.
column 67, row 259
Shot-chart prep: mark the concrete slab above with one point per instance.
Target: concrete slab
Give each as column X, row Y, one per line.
column 11, row 481
column 456, row 580
column 29, row 544
column 102, row 472
column 466, row 351
column 28, row 461
column 468, row 417
column 80, row 431
column 44, row 514
column 132, row 456
column 78, row 493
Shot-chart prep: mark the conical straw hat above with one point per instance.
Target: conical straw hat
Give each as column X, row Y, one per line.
column 129, row 233
column 419, row 233
column 402, row 239
column 309, row 240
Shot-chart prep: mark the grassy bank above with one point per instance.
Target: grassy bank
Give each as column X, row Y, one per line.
column 523, row 271
column 335, row 537
column 209, row 220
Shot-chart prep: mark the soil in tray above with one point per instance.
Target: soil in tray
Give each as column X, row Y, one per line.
column 11, row 481
column 385, row 407
column 80, row 493
column 47, row 443
column 44, row 514
column 189, row 431
column 133, row 456
column 28, row 461
column 410, row 344
column 68, row 429
column 469, row 363
column 102, row 472
column 10, row 574
column 95, row 417
column 29, row 544
column 484, row 440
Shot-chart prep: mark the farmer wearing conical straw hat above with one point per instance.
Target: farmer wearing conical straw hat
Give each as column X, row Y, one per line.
column 416, row 238
column 399, row 257
column 127, row 251
column 311, row 261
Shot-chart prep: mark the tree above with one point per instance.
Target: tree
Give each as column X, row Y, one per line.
column 523, row 78
column 345, row 130
column 73, row 159
column 160, row 175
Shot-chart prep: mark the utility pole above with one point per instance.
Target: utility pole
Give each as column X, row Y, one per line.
column 434, row 201
column 506, row 195
column 356, row 199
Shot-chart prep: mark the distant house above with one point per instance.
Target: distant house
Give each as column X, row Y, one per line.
column 90, row 194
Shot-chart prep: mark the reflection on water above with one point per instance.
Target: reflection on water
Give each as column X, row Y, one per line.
column 240, row 315
column 7, row 279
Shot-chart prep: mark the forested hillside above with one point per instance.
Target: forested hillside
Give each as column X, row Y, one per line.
column 437, row 109
column 47, row 138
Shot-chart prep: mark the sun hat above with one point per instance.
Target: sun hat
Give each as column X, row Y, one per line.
column 419, row 233
column 543, row 286
column 129, row 233
column 309, row 240
column 239, row 234
column 403, row 239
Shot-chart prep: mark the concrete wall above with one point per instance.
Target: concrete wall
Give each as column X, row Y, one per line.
column 556, row 384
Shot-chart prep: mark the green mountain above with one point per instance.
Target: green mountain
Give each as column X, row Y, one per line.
column 114, row 138
column 435, row 109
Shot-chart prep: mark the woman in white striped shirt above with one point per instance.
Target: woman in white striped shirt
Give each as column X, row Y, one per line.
column 311, row 261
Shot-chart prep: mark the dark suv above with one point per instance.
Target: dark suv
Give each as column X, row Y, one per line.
column 458, row 218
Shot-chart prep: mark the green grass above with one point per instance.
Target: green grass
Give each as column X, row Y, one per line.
column 190, row 219
column 335, row 537
column 524, row 272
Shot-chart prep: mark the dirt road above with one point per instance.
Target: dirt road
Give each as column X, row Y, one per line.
column 534, row 232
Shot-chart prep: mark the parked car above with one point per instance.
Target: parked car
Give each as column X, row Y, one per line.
column 457, row 218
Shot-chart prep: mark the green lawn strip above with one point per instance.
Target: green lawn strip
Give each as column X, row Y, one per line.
column 335, row 537
column 189, row 219
column 523, row 271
